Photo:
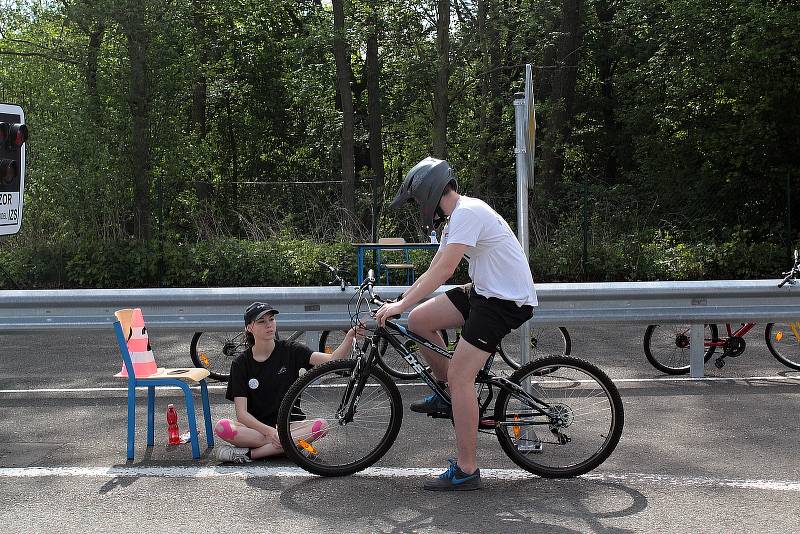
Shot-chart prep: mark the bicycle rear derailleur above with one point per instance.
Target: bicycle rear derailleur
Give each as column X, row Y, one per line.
column 733, row 347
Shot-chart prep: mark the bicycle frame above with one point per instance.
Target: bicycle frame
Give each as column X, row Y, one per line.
column 739, row 332
column 484, row 376
column 365, row 360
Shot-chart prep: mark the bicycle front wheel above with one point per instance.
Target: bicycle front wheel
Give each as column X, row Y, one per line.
column 783, row 341
column 339, row 445
column 667, row 346
column 216, row 350
column 577, row 427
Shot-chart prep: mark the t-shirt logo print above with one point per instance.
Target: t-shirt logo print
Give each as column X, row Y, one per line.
column 282, row 370
column 253, row 383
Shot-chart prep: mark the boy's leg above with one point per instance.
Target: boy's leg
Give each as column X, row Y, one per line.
column 426, row 320
column 467, row 361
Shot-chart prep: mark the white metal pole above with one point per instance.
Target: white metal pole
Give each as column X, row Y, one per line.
column 520, row 120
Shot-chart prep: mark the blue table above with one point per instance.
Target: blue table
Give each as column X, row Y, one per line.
column 361, row 247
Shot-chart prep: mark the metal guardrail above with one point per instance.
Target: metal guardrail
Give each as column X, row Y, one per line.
column 320, row 308
column 313, row 309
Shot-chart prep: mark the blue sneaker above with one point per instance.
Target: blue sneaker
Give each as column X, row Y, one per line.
column 431, row 404
column 454, row 479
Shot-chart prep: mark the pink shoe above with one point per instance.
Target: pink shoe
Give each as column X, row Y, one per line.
column 318, row 430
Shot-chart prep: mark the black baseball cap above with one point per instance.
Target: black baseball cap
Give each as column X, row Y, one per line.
column 256, row 311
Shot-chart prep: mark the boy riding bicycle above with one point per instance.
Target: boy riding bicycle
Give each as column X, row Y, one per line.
column 499, row 299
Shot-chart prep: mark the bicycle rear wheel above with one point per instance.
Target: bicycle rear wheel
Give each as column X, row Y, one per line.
column 667, row 346
column 783, row 341
column 582, row 424
column 216, row 350
column 341, row 447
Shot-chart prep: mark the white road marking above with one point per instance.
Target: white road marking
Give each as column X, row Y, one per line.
column 383, row 472
column 732, row 380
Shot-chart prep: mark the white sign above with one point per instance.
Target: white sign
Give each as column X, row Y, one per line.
column 12, row 182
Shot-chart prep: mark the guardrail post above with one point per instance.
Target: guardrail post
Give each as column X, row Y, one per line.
column 697, row 351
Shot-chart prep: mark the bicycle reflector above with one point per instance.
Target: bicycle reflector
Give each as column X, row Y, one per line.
column 9, row 171
column 307, row 446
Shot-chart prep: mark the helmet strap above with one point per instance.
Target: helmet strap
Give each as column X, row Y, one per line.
column 439, row 217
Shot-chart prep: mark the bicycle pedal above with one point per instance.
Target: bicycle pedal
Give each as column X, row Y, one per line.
column 487, row 423
column 440, row 415
column 719, row 363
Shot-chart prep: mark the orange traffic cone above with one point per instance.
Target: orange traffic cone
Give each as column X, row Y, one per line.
column 144, row 363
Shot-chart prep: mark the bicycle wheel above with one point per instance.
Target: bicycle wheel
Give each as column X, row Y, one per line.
column 329, row 340
column 545, row 340
column 783, row 341
column 393, row 363
column 582, row 424
column 216, row 350
column 341, row 447
column 667, row 346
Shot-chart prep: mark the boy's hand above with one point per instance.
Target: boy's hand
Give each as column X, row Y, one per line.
column 387, row 311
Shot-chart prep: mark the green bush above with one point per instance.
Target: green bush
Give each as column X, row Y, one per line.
column 279, row 262
column 129, row 263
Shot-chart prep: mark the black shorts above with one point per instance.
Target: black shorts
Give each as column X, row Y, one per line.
column 487, row 320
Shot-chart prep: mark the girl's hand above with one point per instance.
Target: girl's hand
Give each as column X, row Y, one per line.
column 357, row 331
column 274, row 439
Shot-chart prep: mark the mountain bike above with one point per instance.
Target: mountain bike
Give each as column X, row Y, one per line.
column 543, row 340
column 666, row 346
column 557, row 416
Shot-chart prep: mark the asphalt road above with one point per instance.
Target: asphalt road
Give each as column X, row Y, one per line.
column 713, row 455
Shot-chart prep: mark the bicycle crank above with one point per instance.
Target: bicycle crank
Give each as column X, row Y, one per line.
column 734, row 346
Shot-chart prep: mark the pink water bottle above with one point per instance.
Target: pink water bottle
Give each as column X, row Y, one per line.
column 174, row 435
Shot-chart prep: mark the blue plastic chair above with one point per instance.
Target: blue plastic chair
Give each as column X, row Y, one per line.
column 405, row 265
column 164, row 377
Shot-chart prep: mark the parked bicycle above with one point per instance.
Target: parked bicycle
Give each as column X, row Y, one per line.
column 216, row 350
column 557, row 416
column 666, row 346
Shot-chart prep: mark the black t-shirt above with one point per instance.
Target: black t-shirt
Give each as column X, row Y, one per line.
column 265, row 383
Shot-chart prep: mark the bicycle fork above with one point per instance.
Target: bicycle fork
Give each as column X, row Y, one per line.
column 355, row 386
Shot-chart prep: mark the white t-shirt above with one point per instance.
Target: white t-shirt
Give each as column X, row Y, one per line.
column 497, row 264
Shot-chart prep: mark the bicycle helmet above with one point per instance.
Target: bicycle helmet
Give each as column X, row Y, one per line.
column 424, row 184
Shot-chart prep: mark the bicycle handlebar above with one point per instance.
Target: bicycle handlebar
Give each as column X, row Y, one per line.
column 793, row 272
column 336, row 276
